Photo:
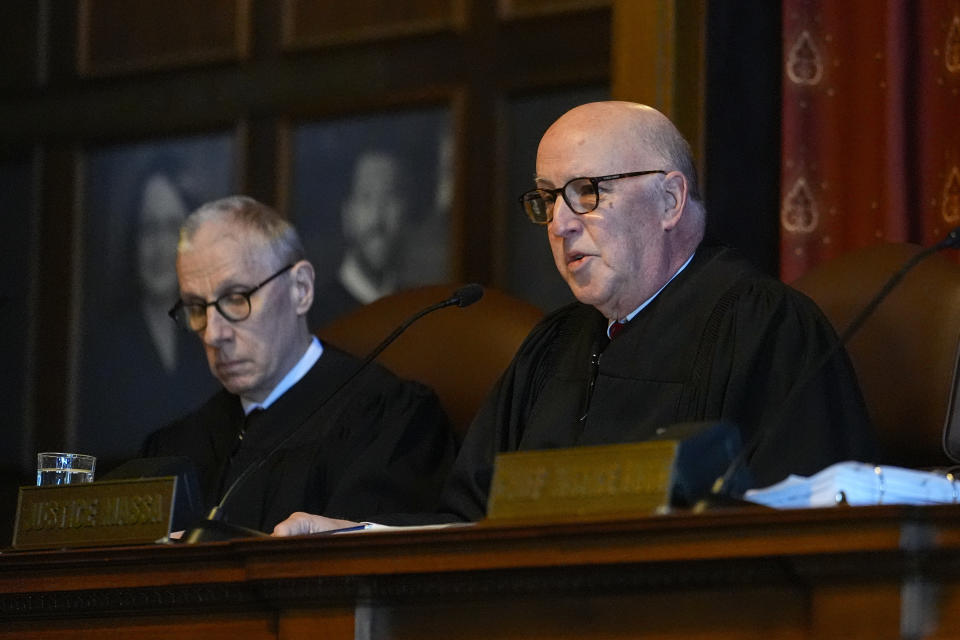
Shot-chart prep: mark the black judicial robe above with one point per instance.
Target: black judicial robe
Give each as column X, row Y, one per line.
column 380, row 445
column 721, row 342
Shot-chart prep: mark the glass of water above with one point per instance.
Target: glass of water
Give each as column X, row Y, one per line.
column 64, row 468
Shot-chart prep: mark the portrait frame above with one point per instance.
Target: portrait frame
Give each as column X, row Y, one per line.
column 529, row 271
column 18, row 199
column 398, row 158
column 132, row 369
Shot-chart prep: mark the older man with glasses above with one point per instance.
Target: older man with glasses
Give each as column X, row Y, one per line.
column 666, row 329
column 379, row 444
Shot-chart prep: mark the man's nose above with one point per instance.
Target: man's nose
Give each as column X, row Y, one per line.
column 218, row 328
column 565, row 221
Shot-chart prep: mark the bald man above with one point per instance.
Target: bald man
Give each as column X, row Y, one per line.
column 666, row 328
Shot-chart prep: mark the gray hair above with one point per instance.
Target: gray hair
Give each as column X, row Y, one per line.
column 278, row 234
column 667, row 141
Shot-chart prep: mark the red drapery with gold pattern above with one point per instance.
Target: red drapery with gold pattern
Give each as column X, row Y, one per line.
column 871, row 126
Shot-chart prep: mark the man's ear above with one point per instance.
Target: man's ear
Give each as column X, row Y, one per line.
column 674, row 199
column 302, row 291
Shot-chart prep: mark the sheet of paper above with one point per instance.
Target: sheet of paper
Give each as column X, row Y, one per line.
column 859, row 484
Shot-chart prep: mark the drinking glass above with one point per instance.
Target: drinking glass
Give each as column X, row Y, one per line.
column 55, row 468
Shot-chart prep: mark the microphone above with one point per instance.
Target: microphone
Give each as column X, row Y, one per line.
column 213, row 527
column 467, row 294
column 722, row 487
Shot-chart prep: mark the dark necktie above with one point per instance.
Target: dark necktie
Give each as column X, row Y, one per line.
column 615, row 329
column 229, row 473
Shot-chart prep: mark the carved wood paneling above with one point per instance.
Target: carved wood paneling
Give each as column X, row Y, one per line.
column 90, row 73
column 510, row 9
column 308, row 23
column 117, row 36
column 658, row 58
column 22, row 51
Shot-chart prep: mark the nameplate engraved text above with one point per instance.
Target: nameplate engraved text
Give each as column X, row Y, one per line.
column 96, row 514
column 622, row 479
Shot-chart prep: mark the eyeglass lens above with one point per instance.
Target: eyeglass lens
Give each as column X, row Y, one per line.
column 580, row 195
column 232, row 306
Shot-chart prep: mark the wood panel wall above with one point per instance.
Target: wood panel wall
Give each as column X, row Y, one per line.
column 79, row 75
column 83, row 74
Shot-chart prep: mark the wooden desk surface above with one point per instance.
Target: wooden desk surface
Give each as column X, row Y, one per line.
column 857, row 572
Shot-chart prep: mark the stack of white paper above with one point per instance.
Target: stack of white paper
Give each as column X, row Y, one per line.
column 859, row 484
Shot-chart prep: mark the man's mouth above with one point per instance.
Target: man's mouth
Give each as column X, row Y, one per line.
column 229, row 367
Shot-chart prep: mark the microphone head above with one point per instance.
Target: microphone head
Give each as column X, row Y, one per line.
column 468, row 294
column 952, row 240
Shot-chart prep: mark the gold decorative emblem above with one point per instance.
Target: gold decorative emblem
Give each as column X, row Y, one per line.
column 799, row 213
column 951, row 52
column 951, row 197
column 804, row 64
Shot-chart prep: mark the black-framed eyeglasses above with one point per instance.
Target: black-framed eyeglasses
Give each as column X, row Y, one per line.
column 582, row 195
column 234, row 306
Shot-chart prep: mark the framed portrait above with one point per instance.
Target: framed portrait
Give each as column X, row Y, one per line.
column 371, row 196
column 17, row 254
column 135, row 369
column 530, row 270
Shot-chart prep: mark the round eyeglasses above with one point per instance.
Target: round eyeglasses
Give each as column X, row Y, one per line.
column 234, row 306
column 582, row 195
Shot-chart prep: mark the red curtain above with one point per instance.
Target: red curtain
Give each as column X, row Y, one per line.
column 871, row 126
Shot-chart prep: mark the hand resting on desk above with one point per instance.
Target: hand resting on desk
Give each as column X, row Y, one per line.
column 300, row 523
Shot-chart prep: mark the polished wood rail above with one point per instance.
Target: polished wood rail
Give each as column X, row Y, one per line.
column 874, row 572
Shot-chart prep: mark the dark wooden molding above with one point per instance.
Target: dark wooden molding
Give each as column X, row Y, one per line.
column 797, row 555
column 115, row 39
column 513, row 9
column 76, row 91
column 313, row 25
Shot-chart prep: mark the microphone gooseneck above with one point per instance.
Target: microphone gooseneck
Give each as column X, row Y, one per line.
column 467, row 294
column 721, row 488
column 462, row 297
column 213, row 527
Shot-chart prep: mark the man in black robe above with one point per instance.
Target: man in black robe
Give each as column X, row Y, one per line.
column 700, row 335
column 378, row 445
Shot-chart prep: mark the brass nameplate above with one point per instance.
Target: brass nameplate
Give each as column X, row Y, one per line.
column 610, row 480
column 106, row 513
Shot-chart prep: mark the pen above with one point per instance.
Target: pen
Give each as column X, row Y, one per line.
column 360, row 527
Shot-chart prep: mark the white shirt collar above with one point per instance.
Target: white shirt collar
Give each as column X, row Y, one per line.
column 633, row 313
column 309, row 358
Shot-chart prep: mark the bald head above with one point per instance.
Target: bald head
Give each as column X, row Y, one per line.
column 632, row 132
column 644, row 226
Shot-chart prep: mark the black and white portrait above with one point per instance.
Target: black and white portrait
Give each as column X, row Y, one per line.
column 371, row 196
column 531, row 273
column 136, row 370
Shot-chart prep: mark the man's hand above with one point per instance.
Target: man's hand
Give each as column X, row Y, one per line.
column 301, row 523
